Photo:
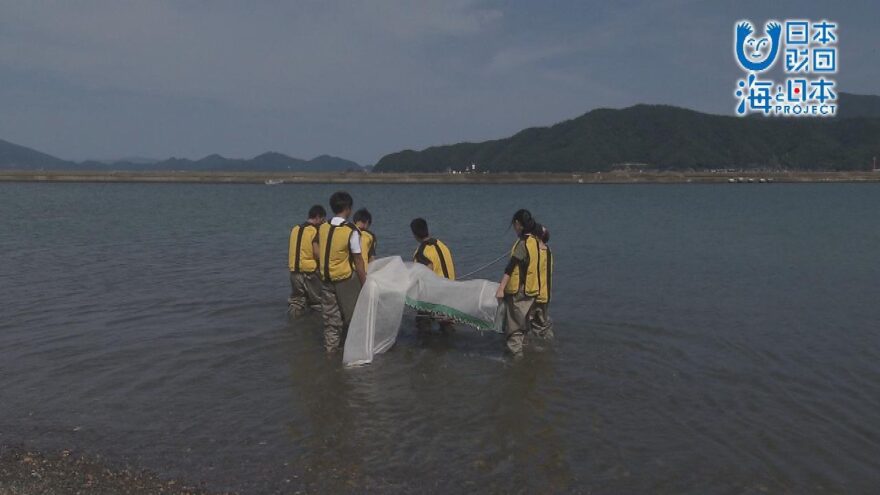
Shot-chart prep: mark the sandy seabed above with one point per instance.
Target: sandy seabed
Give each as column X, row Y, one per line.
column 28, row 472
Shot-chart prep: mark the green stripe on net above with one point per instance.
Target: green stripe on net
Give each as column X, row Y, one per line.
column 439, row 309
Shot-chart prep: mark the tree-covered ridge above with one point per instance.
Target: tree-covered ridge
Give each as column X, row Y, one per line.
column 665, row 137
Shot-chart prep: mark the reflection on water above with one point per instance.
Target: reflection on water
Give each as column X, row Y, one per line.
column 710, row 339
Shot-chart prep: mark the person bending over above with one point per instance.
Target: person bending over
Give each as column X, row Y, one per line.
column 434, row 254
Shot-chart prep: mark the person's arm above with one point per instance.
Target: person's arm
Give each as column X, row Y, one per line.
column 360, row 268
column 501, row 285
column 291, row 250
column 316, row 251
column 420, row 257
column 515, row 259
column 425, row 261
column 354, row 246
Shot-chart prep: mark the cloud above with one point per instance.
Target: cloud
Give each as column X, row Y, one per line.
column 248, row 56
column 360, row 79
column 510, row 59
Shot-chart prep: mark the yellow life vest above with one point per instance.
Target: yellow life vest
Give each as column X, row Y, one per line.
column 335, row 262
column 368, row 245
column 300, row 256
column 545, row 275
column 434, row 251
column 530, row 281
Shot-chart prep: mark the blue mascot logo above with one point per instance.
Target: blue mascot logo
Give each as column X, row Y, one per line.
column 755, row 53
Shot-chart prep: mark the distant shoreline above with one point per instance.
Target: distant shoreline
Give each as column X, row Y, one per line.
column 438, row 178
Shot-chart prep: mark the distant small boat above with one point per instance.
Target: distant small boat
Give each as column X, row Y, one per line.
column 274, row 182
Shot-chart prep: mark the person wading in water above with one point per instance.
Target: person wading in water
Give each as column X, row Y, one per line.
column 520, row 285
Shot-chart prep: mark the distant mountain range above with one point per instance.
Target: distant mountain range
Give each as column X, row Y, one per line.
column 650, row 136
column 666, row 138
column 15, row 157
column 267, row 162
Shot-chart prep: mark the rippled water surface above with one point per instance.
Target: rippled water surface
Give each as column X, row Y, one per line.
column 711, row 339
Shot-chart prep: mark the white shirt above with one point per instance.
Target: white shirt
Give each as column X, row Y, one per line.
column 355, row 241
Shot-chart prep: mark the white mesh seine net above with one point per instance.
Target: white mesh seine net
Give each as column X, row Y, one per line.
column 393, row 284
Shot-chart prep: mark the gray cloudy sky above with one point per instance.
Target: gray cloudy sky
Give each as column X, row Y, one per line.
column 109, row 79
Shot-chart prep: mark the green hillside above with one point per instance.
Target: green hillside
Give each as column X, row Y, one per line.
column 664, row 138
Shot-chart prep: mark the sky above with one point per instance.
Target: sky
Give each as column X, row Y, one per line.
column 96, row 79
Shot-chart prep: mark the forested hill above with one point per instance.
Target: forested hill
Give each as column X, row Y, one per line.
column 665, row 137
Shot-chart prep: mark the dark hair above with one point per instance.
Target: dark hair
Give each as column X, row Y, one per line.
column 419, row 228
column 543, row 233
column 362, row 215
column 340, row 201
column 317, row 211
column 524, row 217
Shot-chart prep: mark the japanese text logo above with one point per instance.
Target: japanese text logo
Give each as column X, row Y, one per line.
column 809, row 50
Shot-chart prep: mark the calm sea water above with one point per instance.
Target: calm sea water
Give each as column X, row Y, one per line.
column 711, row 339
